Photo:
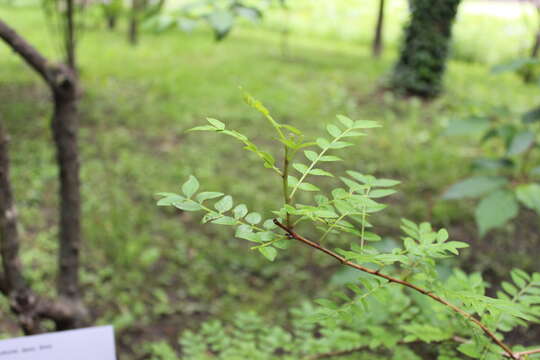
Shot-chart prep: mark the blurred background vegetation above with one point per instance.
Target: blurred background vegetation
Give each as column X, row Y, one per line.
column 154, row 273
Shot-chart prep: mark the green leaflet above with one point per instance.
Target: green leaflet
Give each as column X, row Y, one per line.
column 529, row 195
column 495, row 210
column 190, row 187
column 474, row 187
column 268, row 252
column 225, row 204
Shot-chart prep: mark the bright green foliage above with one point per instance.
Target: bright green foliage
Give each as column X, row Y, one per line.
column 526, row 67
column 495, row 209
column 378, row 320
column 424, row 51
column 345, row 211
column 372, row 313
column 112, row 10
column 220, row 15
column 160, row 350
column 252, row 337
column 140, row 147
column 474, row 187
column 507, row 178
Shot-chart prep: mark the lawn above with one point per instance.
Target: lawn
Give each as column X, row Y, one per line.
column 154, row 272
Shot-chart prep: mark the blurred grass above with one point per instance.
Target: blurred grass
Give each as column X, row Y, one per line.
column 151, row 271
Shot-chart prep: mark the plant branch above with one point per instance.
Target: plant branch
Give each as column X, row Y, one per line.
column 28, row 306
column 314, row 162
column 521, row 354
column 63, row 83
column 59, row 77
column 391, row 279
column 457, row 339
column 29, row 54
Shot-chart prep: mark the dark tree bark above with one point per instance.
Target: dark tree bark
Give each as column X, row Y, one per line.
column 378, row 39
column 134, row 22
column 67, row 311
column 70, row 34
column 29, row 307
column 9, row 237
column 140, row 11
column 528, row 74
column 3, row 284
column 421, row 65
column 14, row 285
column 65, row 128
column 536, row 45
column 111, row 22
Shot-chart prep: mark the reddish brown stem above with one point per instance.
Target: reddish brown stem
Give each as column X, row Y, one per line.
column 521, row 354
column 391, row 279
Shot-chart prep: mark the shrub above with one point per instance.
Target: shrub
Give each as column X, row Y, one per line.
column 400, row 297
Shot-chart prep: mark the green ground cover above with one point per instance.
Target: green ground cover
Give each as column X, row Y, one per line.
column 153, row 272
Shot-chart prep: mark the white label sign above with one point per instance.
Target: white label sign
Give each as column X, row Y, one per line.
column 95, row 343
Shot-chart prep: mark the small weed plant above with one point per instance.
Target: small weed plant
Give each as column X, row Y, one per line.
column 400, row 302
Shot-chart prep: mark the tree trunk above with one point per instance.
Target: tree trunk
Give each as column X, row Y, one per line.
column 421, row 65
column 9, row 237
column 377, row 40
column 13, row 283
column 134, row 23
column 67, row 310
column 70, row 34
column 529, row 73
column 536, row 46
column 65, row 127
column 111, row 22
column 14, row 286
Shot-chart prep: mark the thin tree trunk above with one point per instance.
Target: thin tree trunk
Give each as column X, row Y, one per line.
column 23, row 302
column 536, row 46
column 14, row 286
column 378, row 40
column 528, row 75
column 3, row 285
column 65, row 128
column 71, row 61
column 111, row 22
column 134, row 23
column 67, row 311
column 9, row 237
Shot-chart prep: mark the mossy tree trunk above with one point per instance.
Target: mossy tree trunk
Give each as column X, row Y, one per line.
column 420, row 68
